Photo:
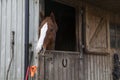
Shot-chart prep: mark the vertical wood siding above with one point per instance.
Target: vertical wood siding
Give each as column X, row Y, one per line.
column 60, row 66
column 12, row 19
column 97, row 67
column 33, row 24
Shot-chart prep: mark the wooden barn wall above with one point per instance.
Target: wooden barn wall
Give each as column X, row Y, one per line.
column 12, row 18
column 96, row 29
column 33, row 23
column 114, row 18
column 98, row 41
column 60, row 65
column 97, row 67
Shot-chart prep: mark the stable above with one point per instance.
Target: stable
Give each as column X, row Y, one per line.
column 88, row 36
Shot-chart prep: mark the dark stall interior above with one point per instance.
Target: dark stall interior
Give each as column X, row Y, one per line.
column 65, row 18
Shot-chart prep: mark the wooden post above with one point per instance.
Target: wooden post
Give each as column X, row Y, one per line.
column 81, row 20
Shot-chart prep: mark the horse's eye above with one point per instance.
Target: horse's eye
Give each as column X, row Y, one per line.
column 51, row 30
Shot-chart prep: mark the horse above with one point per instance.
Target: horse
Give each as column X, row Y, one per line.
column 47, row 33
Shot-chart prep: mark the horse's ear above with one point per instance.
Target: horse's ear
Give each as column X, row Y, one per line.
column 52, row 16
column 42, row 16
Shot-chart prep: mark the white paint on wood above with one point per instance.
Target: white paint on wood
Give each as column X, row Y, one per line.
column 3, row 40
column 12, row 19
column 8, row 35
column 33, row 23
column 0, row 29
column 13, row 28
column 33, row 26
column 19, row 37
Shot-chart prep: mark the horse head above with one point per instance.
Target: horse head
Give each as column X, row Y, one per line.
column 47, row 33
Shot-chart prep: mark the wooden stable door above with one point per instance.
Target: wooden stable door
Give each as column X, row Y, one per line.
column 60, row 65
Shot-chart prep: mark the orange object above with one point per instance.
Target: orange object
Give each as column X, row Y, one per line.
column 33, row 70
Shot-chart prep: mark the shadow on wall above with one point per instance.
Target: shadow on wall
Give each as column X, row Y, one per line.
column 116, row 67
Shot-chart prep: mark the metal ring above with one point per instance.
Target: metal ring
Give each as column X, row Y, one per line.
column 64, row 62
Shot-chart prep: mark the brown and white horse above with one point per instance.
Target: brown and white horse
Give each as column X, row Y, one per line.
column 47, row 33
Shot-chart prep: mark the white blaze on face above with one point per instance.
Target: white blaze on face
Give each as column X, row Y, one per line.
column 42, row 37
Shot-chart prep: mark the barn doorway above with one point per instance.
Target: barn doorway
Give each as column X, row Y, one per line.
column 65, row 18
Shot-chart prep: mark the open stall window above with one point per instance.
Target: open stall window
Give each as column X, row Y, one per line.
column 115, row 35
column 65, row 18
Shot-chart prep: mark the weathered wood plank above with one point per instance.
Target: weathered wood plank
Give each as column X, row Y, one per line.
column 97, row 67
column 3, row 41
column 36, row 22
column 1, row 26
column 19, row 40
column 14, row 28
column 62, row 66
column 56, row 62
column 31, row 21
column 85, row 67
column 69, row 68
column 33, row 25
column 96, row 26
column 42, row 67
column 77, row 69
column 23, row 39
column 8, row 36
column 51, row 69
column 88, row 68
